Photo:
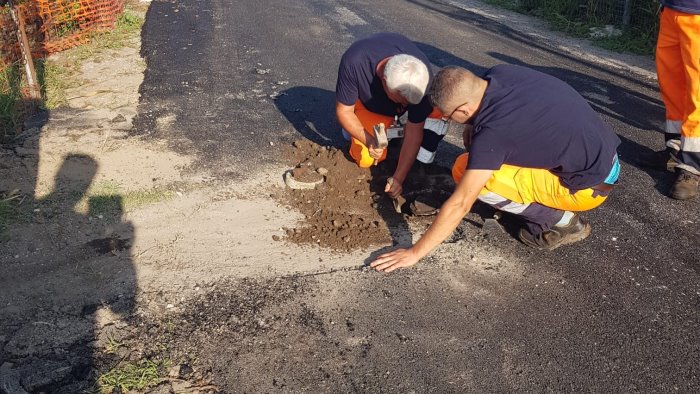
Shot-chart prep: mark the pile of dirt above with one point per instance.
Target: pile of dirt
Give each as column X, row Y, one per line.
column 342, row 212
column 349, row 210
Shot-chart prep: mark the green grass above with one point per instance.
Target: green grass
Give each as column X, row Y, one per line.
column 55, row 78
column 10, row 82
column 563, row 15
column 128, row 25
column 7, row 216
column 11, row 212
column 132, row 376
column 108, row 199
column 113, row 345
column 140, row 198
column 632, row 40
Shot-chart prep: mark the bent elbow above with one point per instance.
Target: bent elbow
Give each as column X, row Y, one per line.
column 459, row 206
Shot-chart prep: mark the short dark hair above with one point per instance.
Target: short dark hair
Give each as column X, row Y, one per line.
column 451, row 87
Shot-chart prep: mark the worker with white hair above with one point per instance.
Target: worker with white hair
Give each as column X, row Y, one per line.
column 380, row 78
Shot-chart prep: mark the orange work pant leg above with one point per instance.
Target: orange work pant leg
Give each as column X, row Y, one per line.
column 358, row 150
column 678, row 67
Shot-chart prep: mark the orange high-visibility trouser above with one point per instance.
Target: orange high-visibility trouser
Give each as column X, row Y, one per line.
column 678, row 68
column 358, row 151
column 530, row 185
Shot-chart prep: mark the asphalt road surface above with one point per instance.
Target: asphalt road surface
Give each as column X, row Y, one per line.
column 619, row 312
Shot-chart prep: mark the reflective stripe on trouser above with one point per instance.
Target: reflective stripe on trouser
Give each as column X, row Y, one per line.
column 678, row 69
column 433, row 132
column 360, row 153
column 534, row 194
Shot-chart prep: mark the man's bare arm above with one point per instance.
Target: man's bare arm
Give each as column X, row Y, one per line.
column 413, row 137
column 451, row 213
column 349, row 121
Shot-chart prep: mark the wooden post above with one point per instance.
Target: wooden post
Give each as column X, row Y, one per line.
column 32, row 82
column 627, row 13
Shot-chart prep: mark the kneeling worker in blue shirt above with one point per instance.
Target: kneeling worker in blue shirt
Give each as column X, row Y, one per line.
column 537, row 150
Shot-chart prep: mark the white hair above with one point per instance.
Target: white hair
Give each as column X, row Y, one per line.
column 408, row 76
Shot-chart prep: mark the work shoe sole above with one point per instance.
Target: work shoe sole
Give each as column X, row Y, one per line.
column 565, row 239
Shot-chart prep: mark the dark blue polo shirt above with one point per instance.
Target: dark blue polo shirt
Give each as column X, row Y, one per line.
column 357, row 75
column 687, row 6
column 530, row 119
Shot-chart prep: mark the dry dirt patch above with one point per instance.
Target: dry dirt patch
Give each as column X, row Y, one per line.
column 350, row 210
column 341, row 213
column 82, row 250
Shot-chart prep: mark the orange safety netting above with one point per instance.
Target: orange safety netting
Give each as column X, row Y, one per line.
column 55, row 25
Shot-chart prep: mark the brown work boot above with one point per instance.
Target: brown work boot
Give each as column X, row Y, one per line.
column 686, row 185
column 663, row 160
column 577, row 230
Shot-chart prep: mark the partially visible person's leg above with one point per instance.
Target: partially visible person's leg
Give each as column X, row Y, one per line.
column 673, row 88
column 358, row 150
column 672, row 81
column 434, row 131
column 537, row 196
column 685, row 94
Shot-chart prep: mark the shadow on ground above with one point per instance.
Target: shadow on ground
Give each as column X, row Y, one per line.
column 67, row 281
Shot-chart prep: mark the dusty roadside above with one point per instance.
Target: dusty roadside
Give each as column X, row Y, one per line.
column 113, row 231
column 125, row 261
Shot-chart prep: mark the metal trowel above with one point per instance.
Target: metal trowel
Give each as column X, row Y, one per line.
column 398, row 201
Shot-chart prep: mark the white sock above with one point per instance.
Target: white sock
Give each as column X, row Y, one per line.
column 566, row 219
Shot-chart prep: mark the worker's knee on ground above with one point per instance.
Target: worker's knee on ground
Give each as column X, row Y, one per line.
column 365, row 161
column 360, row 154
column 460, row 167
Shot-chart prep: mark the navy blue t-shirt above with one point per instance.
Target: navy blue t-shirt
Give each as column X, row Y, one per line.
column 687, row 6
column 357, row 76
column 530, row 119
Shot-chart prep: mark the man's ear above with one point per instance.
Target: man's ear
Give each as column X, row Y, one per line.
column 471, row 107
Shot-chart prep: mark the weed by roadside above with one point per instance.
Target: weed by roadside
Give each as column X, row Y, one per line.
column 639, row 37
column 10, row 95
column 128, row 25
column 107, row 198
column 7, row 214
column 632, row 40
column 55, row 76
column 54, row 80
column 11, row 211
column 132, row 376
column 113, row 345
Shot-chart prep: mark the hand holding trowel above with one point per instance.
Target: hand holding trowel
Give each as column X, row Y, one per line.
column 398, row 200
column 382, row 142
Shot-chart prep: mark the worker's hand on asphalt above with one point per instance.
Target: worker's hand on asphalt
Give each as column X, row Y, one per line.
column 375, row 153
column 393, row 187
column 399, row 258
